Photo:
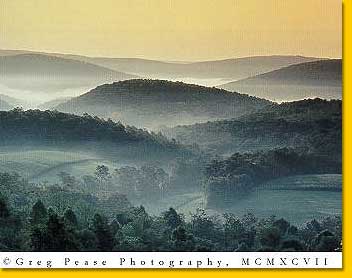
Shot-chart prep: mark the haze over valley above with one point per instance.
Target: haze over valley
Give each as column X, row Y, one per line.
column 106, row 108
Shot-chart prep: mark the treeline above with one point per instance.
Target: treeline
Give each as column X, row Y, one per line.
column 314, row 125
column 230, row 179
column 53, row 128
column 106, row 190
column 91, row 214
column 134, row 230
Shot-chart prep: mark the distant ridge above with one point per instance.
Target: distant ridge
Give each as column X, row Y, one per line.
column 231, row 69
column 53, row 103
column 11, row 100
column 40, row 72
column 313, row 79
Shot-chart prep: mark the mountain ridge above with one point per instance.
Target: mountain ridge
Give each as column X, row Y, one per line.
column 323, row 75
column 228, row 68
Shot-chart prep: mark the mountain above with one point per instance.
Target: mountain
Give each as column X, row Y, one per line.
column 313, row 79
column 49, row 74
column 314, row 125
column 52, row 129
column 194, row 72
column 153, row 103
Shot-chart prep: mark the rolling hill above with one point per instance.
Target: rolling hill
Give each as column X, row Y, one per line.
column 218, row 70
column 313, row 79
column 315, row 125
column 55, row 130
column 37, row 73
column 236, row 68
column 154, row 103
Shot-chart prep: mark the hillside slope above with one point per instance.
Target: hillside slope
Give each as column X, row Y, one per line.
column 153, row 103
column 37, row 72
column 55, row 130
column 312, row 124
column 314, row 79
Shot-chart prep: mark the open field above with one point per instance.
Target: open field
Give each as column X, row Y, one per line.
column 44, row 165
column 297, row 199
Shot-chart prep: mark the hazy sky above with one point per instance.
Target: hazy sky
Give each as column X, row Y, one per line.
column 174, row 29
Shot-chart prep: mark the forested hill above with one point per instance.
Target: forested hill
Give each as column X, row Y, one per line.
column 302, row 110
column 315, row 124
column 152, row 103
column 53, row 128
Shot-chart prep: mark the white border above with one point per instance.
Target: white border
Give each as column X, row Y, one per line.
column 169, row 260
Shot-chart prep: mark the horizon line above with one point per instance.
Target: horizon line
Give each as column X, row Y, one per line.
column 165, row 61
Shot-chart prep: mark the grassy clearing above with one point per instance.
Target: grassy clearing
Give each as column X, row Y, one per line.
column 329, row 182
column 36, row 165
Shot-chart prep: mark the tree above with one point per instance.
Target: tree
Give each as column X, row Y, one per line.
column 57, row 237
column 234, row 231
column 55, row 234
column 4, row 210
column 103, row 234
column 293, row 245
column 67, row 180
column 172, row 218
column 182, row 240
column 87, row 240
column 39, row 214
column 102, row 173
column 70, row 218
column 326, row 242
column 270, row 237
column 37, row 239
column 203, row 225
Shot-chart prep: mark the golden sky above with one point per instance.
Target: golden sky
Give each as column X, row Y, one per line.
column 183, row 30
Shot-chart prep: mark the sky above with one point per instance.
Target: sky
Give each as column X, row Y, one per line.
column 174, row 30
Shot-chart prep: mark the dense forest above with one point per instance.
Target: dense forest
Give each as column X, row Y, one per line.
column 207, row 167
column 62, row 217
